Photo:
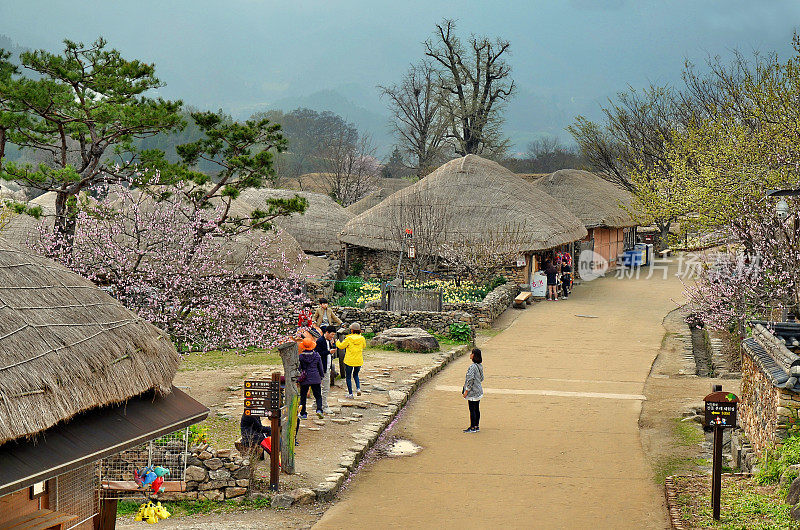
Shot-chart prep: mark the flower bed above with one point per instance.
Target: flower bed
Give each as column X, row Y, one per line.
column 357, row 292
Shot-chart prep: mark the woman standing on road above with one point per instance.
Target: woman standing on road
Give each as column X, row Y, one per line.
column 353, row 345
column 473, row 391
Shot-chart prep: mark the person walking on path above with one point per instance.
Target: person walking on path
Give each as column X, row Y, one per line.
column 311, row 365
column 353, row 345
column 326, row 348
column 473, row 391
column 552, row 280
column 324, row 315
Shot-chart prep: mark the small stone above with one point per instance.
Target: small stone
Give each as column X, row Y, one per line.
column 219, row 474
column 313, row 429
column 395, row 395
column 224, row 453
column 795, row 512
column 357, row 415
column 230, row 493
column 213, row 463
column 243, row 483
column 195, row 473
column 319, row 422
column 341, row 421
column 205, row 455
column 212, row 495
column 282, row 500
column 793, row 495
column 303, row 496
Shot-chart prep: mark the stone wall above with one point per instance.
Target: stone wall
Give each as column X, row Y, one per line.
column 758, row 408
column 486, row 311
column 215, row 475
column 376, row 320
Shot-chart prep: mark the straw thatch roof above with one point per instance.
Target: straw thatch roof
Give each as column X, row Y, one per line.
column 66, row 346
column 316, row 229
column 593, row 200
column 24, row 230
column 471, row 198
column 374, row 198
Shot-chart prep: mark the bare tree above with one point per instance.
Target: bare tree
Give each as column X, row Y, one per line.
column 474, row 85
column 351, row 169
column 420, row 223
column 415, row 105
column 483, row 259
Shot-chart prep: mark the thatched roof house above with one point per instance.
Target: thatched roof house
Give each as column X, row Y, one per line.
column 316, row 229
column 602, row 207
column 591, row 199
column 467, row 201
column 81, row 378
column 374, row 198
column 66, row 346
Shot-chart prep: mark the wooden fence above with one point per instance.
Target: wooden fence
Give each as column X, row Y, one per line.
column 402, row 299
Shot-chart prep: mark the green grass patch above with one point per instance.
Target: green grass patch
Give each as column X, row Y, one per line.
column 673, row 465
column 744, row 504
column 201, row 507
column 687, row 433
column 227, row 358
column 776, row 460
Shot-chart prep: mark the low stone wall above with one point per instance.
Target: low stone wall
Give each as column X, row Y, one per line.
column 485, row 312
column 765, row 411
column 376, row 320
column 214, row 475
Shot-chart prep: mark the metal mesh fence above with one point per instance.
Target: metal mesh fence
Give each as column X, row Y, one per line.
column 77, row 494
column 169, row 451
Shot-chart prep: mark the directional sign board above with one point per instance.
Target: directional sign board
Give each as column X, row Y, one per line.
column 261, row 398
column 721, row 409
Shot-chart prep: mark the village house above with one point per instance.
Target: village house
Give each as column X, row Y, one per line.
column 81, row 378
column 603, row 208
column 315, row 229
column 467, row 203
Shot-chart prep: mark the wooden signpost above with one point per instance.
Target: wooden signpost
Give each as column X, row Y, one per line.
column 263, row 398
column 721, row 408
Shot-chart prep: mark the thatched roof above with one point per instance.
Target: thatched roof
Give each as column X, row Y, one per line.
column 23, row 229
column 317, row 228
column 374, row 198
column 66, row 346
column 470, row 198
column 591, row 199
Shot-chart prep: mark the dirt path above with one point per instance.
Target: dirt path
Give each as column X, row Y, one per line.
column 559, row 445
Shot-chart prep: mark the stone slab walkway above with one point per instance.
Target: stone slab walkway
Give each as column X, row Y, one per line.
column 559, row 444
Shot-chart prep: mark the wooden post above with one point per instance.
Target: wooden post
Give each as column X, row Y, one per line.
column 275, row 424
column 716, row 473
column 291, row 366
column 108, row 515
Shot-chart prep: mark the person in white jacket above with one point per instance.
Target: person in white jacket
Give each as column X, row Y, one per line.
column 473, row 390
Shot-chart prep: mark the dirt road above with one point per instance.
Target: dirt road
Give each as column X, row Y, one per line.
column 559, row 444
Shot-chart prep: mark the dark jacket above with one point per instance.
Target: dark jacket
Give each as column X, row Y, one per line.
column 312, row 364
column 323, row 349
column 252, row 430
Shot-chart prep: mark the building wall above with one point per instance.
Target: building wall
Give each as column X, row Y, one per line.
column 75, row 492
column 608, row 242
column 19, row 503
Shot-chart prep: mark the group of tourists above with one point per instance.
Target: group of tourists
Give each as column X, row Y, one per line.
column 317, row 341
column 559, row 275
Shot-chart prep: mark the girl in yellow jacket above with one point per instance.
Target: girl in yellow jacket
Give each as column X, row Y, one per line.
column 353, row 345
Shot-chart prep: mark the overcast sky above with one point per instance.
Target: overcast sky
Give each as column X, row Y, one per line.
column 243, row 55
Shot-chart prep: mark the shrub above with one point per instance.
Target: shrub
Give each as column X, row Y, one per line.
column 775, row 461
column 460, row 331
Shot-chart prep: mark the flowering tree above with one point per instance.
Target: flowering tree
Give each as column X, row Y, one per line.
column 176, row 267
column 758, row 274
